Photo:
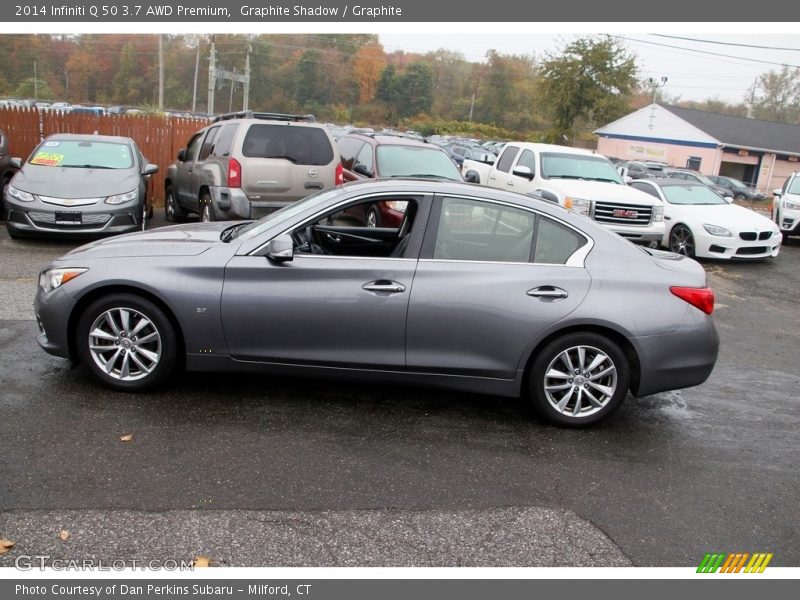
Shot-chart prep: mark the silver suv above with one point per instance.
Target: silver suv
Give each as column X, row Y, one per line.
column 247, row 164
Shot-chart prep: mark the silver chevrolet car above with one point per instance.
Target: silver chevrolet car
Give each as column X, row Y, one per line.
column 476, row 289
column 79, row 185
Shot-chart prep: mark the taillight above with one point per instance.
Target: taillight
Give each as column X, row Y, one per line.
column 339, row 174
column 701, row 298
column 234, row 173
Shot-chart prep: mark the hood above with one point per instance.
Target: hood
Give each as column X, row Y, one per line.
column 729, row 216
column 601, row 191
column 179, row 240
column 69, row 182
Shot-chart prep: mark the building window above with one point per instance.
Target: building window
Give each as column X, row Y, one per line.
column 693, row 163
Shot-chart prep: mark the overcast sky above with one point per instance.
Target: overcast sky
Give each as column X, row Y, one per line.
column 691, row 75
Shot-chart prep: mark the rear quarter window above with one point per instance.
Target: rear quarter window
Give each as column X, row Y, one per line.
column 299, row 145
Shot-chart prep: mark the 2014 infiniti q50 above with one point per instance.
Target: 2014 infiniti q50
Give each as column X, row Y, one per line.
column 477, row 290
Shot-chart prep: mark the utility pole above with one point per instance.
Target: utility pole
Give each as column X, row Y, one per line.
column 230, row 101
column 655, row 85
column 246, row 89
column 212, row 77
column 196, row 73
column 752, row 98
column 160, row 72
column 35, row 83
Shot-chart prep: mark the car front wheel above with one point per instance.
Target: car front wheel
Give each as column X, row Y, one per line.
column 172, row 212
column 126, row 342
column 579, row 379
column 681, row 241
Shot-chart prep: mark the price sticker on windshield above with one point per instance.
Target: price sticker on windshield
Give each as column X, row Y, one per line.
column 47, row 159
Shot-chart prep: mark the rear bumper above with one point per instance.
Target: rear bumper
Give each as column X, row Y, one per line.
column 678, row 360
column 232, row 203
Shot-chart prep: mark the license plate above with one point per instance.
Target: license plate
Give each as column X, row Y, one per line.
column 68, row 218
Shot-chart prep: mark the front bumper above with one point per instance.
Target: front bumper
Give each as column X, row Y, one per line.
column 790, row 222
column 52, row 315
column 638, row 234
column 43, row 220
column 727, row 248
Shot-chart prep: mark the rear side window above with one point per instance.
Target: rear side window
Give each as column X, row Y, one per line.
column 224, row 141
column 507, row 158
column 299, row 145
column 349, row 147
column 555, row 242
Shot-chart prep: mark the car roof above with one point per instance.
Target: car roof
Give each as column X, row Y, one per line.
column 87, row 137
column 391, row 140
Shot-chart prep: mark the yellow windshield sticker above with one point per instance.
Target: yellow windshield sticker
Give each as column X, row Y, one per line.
column 47, row 159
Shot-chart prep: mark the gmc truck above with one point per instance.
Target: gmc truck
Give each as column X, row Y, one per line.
column 579, row 180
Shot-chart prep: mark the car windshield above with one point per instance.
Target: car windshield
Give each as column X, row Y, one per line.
column 415, row 161
column 578, row 166
column 83, row 154
column 794, row 188
column 287, row 212
column 691, row 194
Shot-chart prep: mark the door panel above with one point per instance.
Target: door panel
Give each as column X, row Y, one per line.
column 314, row 310
column 477, row 318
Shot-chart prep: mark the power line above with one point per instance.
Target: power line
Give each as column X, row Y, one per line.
column 755, row 60
column 688, row 39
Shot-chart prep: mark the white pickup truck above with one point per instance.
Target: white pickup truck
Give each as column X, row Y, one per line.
column 579, row 180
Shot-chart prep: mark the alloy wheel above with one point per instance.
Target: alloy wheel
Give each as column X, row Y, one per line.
column 125, row 344
column 580, row 381
column 681, row 241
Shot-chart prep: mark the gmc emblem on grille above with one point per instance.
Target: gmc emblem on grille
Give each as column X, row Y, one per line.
column 625, row 214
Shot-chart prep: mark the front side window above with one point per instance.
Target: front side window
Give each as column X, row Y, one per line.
column 348, row 148
column 83, row 154
column 527, row 159
column 208, row 143
column 645, row 187
column 298, row 145
column 794, row 186
column 364, row 160
column 193, row 148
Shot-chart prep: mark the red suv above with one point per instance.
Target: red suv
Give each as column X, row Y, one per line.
column 369, row 156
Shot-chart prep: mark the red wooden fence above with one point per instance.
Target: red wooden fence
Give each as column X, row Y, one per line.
column 159, row 137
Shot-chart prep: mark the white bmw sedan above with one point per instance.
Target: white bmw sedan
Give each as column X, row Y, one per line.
column 699, row 222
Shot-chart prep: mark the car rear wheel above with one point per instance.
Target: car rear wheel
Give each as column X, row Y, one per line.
column 579, row 379
column 126, row 342
column 681, row 241
column 172, row 212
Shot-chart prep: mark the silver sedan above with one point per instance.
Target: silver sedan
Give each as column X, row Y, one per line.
column 476, row 290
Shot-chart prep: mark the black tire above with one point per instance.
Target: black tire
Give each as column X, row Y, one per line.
column 681, row 241
column 578, row 409
column 373, row 217
column 156, row 338
column 6, row 183
column 172, row 212
column 740, row 197
column 206, row 209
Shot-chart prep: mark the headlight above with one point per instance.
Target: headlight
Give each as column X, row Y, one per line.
column 658, row 214
column 122, row 198
column 716, row 230
column 20, row 195
column 50, row 280
column 791, row 205
column 578, row 205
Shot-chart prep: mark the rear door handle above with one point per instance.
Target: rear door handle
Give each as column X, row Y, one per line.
column 384, row 285
column 548, row 292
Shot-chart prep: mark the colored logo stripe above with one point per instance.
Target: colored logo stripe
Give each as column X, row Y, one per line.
column 734, row 562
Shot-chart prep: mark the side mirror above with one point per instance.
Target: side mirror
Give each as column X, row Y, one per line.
column 362, row 169
column 627, row 178
column 150, row 169
column 281, row 248
column 522, row 171
column 472, row 177
column 182, row 154
column 15, row 162
column 777, row 193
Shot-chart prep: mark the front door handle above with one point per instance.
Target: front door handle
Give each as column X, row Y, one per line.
column 548, row 292
column 384, row 285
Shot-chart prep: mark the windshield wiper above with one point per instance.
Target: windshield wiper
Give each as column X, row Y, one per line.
column 603, row 179
column 229, row 233
column 291, row 159
column 85, row 167
column 564, row 177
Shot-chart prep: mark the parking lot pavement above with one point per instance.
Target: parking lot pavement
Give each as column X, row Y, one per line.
column 352, row 467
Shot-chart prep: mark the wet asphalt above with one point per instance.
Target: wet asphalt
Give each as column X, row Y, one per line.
column 360, row 471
